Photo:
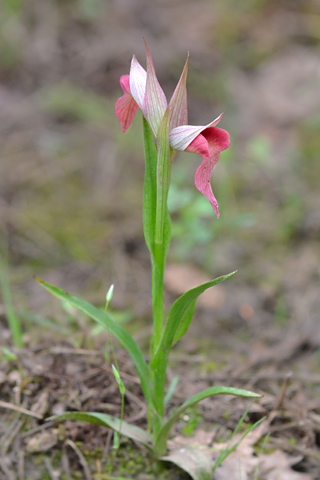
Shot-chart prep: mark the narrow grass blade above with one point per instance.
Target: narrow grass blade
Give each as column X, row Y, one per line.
column 263, row 446
column 171, row 389
column 228, row 451
column 13, row 320
column 105, row 420
column 32, row 318
column 121, row 335
column 161, row 440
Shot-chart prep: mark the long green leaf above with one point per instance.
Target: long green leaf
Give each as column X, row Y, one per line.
column 105, row 420
column 182, row 310
column 177, row 324
column 161, row 440
column 121, row 335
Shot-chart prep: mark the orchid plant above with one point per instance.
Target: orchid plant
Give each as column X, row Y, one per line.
column 166, row 131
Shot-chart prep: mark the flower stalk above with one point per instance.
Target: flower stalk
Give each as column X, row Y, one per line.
column 165, row 132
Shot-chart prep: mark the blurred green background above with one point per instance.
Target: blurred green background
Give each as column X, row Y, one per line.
column 71, row 182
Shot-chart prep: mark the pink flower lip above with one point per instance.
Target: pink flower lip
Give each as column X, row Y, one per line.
column 207, row 141
column 180, row 137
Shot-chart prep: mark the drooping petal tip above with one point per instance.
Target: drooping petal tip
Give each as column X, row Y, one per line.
column 209, row 143
column 203, row 184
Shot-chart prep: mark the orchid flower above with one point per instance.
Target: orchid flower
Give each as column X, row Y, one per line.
column 142, row 90
column 165, row 132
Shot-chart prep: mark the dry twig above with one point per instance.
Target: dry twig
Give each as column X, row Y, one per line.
column 82, row 460
column 19, row 409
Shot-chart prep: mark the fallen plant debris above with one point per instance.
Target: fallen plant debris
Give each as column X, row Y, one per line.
column 244, row 463
column 79, row 378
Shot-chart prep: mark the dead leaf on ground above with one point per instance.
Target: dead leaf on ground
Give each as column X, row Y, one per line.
column 195, row 456
column 43, row 441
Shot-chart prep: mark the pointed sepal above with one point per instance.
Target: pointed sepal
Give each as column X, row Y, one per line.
column 154, row 102
column 178, row 103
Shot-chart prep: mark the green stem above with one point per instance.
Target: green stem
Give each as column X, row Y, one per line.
column 158, row 319
column 157, row 232
column 162, row 237
column 157, row 296
column 162, row 232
